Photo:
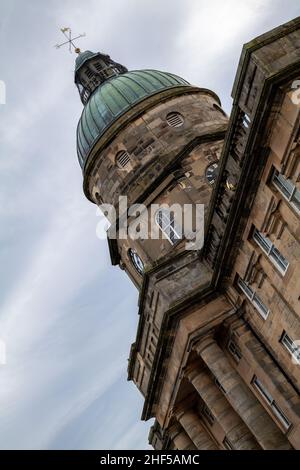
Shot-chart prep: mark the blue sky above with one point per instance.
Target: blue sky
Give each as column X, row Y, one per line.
column 67, row 317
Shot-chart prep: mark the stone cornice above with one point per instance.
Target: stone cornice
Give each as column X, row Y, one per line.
column 257, row 43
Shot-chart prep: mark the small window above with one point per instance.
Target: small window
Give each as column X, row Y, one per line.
column 220, row 386
column 123, row 159
column 99, row 65
column 227, row 444
column 287, row 188
column 89, row 73
column 208, row 415
column 211, row 173
column 271, row 402
column 136, row 261
column 165, row 219
column 246, row 121
column 253, row 297
column 279, row 261
column 291, row 346
column 234, row 350
column 175, row 119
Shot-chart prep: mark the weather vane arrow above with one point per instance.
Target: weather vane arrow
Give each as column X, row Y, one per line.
column 68, row 34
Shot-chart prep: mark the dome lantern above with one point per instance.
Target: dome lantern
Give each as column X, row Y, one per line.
column 93, row 69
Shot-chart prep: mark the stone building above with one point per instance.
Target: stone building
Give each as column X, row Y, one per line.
column 216, row 355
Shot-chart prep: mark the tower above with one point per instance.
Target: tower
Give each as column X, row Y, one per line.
column 218, row 324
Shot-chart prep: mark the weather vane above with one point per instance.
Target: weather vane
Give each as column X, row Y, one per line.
column 68, row 34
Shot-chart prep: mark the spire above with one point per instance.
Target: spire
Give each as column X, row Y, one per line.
column 92, row 69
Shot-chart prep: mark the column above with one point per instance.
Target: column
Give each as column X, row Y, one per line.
column 230, row 422
column 266, row 432
column 180, row 438
column 191, row 423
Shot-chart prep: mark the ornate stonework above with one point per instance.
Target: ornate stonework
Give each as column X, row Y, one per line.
column 215, row 355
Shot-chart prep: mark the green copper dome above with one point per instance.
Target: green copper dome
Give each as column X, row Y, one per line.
column 113, row 98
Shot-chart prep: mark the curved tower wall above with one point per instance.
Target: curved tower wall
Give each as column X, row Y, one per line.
column 167, row 165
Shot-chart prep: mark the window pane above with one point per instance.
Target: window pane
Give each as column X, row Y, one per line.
column 267, row 246
column 264, row 242
column 263, row 310
column 280, row 415
column 279, row 258
column 286, row 340
column 227, row 444
column 235, row 351
column 166, row 221
column 245, row 288
column 287, row 189
column 262, row 390
column 285, row 186
column 293, row 348
column 296, row 199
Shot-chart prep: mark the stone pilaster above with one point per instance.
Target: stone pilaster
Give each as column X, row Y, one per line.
column 192, row 425
column 180, row 438
column 233, row 426
column 266, row 432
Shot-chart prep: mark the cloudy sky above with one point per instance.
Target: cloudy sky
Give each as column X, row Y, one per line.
column 66, row 316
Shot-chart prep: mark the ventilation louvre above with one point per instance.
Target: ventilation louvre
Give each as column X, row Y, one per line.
column 123, row 159
column 89, row 73
column 175, row 119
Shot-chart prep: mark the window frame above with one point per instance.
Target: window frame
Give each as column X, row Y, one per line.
column 255, row 300
column 279, row 182
column 234, row 350
column 290, row 346
column 272, row 404
column 269, row 249
column 207, row 414
column 227, row 444
column 220, row 386
column 171, row 224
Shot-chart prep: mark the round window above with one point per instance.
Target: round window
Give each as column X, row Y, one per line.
column 136, row 261
column 212, row 173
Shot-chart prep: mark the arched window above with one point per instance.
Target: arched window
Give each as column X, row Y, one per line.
column 166, row 221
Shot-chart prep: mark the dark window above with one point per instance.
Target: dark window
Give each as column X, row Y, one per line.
column 235, row 350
